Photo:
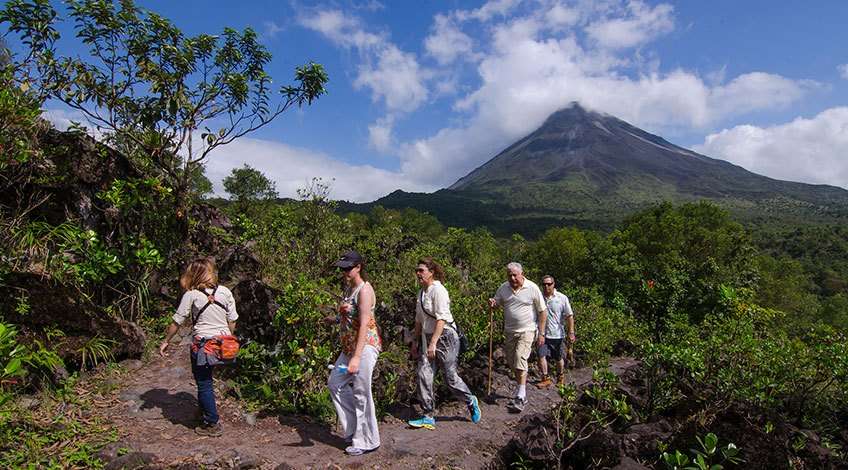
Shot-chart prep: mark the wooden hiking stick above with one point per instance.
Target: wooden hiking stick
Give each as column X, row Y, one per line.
column 491, row 321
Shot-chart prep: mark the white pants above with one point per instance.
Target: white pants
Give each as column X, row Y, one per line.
column 351, row 395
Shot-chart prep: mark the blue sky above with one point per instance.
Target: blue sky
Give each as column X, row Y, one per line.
column 420, row 93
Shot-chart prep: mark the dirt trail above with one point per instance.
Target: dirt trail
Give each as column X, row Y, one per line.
column 156, row 413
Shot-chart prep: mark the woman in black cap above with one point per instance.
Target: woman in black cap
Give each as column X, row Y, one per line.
column 350, row 380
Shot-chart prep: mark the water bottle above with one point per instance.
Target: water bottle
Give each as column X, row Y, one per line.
column 341, row 368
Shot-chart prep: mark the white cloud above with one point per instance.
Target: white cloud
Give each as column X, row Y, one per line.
column 639, row 24
column 843, row 71
column 272, row 29
column 392, row 75
column 370, row 5
column 396, row 79
column 562, row 16
column 489, row 10
column 380, row 134
column 63, row 119
column 342, row 29
column 292, row 168
column 758, row 90
column 447, row 42
column 809, row 150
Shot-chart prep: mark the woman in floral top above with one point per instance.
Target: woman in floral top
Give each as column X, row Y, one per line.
column 350, row 380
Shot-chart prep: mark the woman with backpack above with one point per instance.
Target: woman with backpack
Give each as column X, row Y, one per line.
column 213, row 315
column 436, row 343
column 350, row 379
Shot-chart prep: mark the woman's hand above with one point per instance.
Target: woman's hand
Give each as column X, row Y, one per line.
column 353, row 365
column 431, row 351
column 344, row 308
column 413, row 351
column 162, row 348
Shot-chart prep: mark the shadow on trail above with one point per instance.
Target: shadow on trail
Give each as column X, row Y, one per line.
column 309, row 432
column 178, row 408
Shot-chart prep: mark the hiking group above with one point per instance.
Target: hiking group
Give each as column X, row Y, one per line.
column 531, row 317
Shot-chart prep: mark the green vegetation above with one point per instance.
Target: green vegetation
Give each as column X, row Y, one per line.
column 709, row 457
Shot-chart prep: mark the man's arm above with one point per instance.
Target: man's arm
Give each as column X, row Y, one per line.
column 569, row 314
column 543, row 318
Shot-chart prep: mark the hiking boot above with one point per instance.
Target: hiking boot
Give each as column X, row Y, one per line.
column 516, row 405
column 561, row 379
column 425, row 422
column 354, row 451
column 545, row 382
column 209, row 430
column 474, row 410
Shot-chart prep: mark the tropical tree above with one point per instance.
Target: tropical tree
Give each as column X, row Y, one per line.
column 247, row 184
column 682, row 260
column 164, row 99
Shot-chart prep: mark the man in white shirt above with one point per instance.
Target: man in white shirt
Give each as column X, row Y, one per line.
column 523, row 306
column 556, row 341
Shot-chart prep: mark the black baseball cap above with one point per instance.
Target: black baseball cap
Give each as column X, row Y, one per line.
column 349, row 260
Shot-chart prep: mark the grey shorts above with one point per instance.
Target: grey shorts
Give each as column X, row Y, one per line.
column 552, row 348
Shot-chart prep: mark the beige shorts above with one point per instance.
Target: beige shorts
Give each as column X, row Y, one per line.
column 518, row 347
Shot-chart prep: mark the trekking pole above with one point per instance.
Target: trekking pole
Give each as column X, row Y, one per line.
column 491, row 320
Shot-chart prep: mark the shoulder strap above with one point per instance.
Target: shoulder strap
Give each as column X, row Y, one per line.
column 421, row 299
column 354, row 294
column 210, row 300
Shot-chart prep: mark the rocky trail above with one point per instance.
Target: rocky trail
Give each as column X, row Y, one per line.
column 155, row 413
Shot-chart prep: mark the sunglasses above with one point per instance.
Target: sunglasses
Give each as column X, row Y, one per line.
column 347, row 269
column 547, row 283
column 420, row 270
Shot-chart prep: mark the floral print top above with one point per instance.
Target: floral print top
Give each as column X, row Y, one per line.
column 350, row 324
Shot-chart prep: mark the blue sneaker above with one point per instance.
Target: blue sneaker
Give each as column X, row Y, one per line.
column 474, row 409
column 425, row 422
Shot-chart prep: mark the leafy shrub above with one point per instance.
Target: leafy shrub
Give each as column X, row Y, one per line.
column 709, row 457
column 746, row 355
column 601, row 329
column 20, row 365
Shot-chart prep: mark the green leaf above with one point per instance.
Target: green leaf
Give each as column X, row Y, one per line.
column 710, row 443
column 12, row 367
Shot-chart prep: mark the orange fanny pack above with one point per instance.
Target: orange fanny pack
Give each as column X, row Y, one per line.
column 228, row 347
column 223, row 347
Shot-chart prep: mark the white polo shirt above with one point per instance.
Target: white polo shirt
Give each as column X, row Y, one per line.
column 520, row 306
column 559, row 308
